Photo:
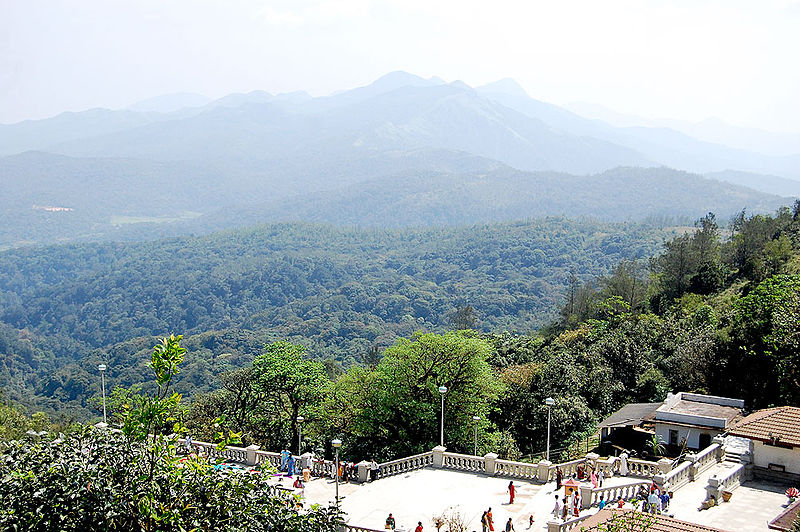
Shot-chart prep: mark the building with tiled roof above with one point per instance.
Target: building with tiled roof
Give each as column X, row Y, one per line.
column 775, row 433
column 635, row 520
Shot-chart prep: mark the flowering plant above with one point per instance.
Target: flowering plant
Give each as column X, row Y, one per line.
column 792, row 493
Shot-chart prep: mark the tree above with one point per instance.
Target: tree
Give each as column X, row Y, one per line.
column 464, row 317
column 289, row 382
column 394, row 409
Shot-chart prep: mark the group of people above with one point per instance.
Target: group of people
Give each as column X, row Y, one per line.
column 391, row 524
column 569, row 506
column 487, row 520
column 590, row 474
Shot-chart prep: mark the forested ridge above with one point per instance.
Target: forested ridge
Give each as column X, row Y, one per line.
column 337, row 291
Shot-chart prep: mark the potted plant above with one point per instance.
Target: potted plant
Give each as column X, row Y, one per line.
column 726, row 495
column 792, row 493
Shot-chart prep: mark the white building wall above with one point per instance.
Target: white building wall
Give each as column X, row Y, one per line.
column 763, row 455
column 693, row 440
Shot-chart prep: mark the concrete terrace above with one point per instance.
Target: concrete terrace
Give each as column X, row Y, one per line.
column 421, row 494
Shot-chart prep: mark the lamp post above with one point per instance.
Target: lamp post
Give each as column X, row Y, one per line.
column 102, row 368
column 442, row 391
column 476, row 419
column 549, row 402
column 300, row 420
column 336, row 444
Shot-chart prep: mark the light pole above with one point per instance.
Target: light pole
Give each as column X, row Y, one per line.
column 549, row 402
column 336, row 444
column 442, row 391
column 476, row 419
column 300, row 420
column 102, row 368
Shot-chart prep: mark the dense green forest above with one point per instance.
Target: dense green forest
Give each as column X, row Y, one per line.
column 716, row 311
column 711, row 313
column 64, row 309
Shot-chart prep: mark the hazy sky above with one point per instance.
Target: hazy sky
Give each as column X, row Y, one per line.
column 686, row 59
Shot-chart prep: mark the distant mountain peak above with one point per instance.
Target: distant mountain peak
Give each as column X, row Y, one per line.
column 170, row 102
column 398, row 79
column 503, row 86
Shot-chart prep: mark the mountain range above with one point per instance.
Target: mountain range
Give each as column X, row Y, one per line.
column 401, row 151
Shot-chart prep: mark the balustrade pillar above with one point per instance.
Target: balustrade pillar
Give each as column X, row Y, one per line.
column 553, row 525
column 543, row 471
column 693, row 469
column 438, row 455
column 490, row 459
column 665, row 465
column 362, row 471
column 586, row 496
column 251, row 454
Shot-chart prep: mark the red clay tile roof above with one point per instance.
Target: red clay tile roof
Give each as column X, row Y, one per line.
column 640, row 521
column 787, row 518
column 781, row 424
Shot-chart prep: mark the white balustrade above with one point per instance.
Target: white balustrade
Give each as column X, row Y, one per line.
column 729, row 482
column 464, row 462
column 395, row 467
column 706, row 458
column 679, row 477
column 273, row 459
column 524, row 470
column 567, row 468
column 614, row 493
column 642, row 468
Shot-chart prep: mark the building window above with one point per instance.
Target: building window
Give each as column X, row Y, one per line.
column 673, row 437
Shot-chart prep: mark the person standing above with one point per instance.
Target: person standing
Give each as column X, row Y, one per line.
column 373, row 470
column 390, row 524
column 484, row 523
column 559, row 478
column 600, row 477
column 511, row 492
column 557, row 508
column 509, row 525
column 576, row 504
column 490, row 520
column 419, row 527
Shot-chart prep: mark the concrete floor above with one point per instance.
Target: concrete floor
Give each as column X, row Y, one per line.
column 420, row 495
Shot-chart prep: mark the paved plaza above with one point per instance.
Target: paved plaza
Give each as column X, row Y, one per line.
column 420, row 495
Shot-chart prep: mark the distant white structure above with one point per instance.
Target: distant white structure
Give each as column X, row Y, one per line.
column 695, row 417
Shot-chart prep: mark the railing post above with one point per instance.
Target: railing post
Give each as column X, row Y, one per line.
column 251, row 454
column 438, row 455
column 591, row 459
column 665, row 465
column 692, row 457
column 362, row 471
column 490, row 459
column 553, row 525
column 543, row 471
column 720, row 452
column 586, row 496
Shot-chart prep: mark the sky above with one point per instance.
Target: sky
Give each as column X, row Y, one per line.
column 736, row 60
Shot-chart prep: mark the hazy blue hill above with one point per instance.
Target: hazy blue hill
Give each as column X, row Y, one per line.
column 503, row 194
column 660, row 144
column 168, row 103
column 767, row 183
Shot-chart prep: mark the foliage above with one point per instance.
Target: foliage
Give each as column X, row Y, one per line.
column 133, row 480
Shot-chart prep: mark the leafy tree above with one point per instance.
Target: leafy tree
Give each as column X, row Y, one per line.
column 289, row 382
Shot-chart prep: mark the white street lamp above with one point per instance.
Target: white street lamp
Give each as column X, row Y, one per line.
column 549, row 402
column 102, row 368
column 442, row 391
column 300, row 420
column 476, row 419
column 336, row 444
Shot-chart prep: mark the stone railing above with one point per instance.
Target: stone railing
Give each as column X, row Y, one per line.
column 267, row 457
column 706, row 458
column 410, row 463
column 565, row 526
column 591, row 496
column 567, row 468
column 323, row 468
column 353, row 528
column 234, row 454
column 464, row 462
column 729, row 482
column 677, row 478
column 524, row 470
column 642, row 468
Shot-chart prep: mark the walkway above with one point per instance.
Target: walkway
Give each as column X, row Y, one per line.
column 420, row 495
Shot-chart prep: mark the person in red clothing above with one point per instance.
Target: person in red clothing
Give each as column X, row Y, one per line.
column 419, row 527
column 511, row 492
